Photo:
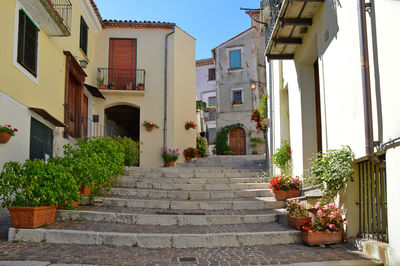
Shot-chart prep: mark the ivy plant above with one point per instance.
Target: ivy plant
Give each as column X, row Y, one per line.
column 282, row 157
column 331, row 170
column 201, row 146
column 221, row 141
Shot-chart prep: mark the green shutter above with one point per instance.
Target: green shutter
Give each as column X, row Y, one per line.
column 83, row 41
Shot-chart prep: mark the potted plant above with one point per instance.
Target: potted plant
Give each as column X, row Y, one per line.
column 190, row 124
column 129, row 86
column 190, row 153
column 6, row 132
column 32, row 190
column 331, row 171
column 327, row 227
column 149, row 125
column 111, row 85
column 282, row 157
column 140, row 86
column 297, row 214
column 285, row 187
column 100, row 82
column 170, row 156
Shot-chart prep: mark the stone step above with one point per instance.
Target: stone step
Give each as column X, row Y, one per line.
column 260, row 203
column 186, row 194
column 188, row 172
column 184, row 186
column 165, row 218
column 85, row 232
column 186, row 180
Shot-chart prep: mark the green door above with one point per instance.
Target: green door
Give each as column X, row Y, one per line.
column 41, row 140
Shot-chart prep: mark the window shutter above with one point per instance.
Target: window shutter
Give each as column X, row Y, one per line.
column 83, row 41
column 27, row 43
column 235, row 60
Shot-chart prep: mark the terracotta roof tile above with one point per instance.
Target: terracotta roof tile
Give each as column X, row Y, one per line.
column 204, row 62
column 136, row 24
column 96, row 10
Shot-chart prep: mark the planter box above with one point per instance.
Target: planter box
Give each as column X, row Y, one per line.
column 321, row 237
column 85, row 190
column 282, row 195
column 171, row 164
column 295, row 222
column 32, row 217
column 4, row 137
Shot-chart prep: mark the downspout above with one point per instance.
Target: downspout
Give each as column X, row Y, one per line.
column 366, row 83
column 166, row 85
column 271, row 128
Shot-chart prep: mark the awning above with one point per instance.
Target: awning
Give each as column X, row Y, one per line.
column 94, row 91
column 43, row 113
column 294, row 19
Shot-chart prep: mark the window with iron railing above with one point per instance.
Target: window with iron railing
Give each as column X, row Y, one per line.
column 121, row 79
column 64, row 9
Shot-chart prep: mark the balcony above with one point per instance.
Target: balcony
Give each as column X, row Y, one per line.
column 121, row 79
column 53, row 16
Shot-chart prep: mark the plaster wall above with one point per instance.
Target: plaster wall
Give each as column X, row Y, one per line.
column 204, row 87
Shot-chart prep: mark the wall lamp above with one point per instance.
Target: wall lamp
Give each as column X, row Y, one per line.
column 253, row 84
column 84, row 63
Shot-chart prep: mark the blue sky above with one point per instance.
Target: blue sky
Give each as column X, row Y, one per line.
column 211, row 22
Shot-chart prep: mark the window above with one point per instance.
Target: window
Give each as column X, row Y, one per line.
column 211, row 74
column 211, row 115
column 235, row 59
column 83, row 42
column 212, row 135
column 237, row 97
column 27, row 43
column 212, row 101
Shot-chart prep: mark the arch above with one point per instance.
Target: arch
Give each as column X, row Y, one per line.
column 121, row 103
column 122, row 120
column 237, row 140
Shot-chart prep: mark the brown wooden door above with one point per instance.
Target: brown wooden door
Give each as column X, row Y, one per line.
column 85, row 115
column 122, row 62
column 237, row 141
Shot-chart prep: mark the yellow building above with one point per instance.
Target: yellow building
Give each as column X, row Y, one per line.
column 56, row 56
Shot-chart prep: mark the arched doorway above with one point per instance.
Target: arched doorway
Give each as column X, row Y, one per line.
column 122, row 120
column 237, row 141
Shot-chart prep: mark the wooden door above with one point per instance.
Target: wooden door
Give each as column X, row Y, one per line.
column 85, row 115
column 122, row 62
column 237, row 141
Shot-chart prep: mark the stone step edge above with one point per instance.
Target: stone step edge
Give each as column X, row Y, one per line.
column 187, row 204
column 164, row 220
column 147, row 240
column 232, row 180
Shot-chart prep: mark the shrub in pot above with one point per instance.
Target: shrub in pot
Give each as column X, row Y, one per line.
column 190, row 153
column 33, row 189
column 201, row 146
column 170, row 156
column 297, row 214
column 285, row 187
column 327, row 227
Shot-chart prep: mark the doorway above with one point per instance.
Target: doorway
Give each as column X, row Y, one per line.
column 124, row 121
column 237, row 141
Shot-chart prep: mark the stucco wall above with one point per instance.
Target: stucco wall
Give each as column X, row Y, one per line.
column 204, row 87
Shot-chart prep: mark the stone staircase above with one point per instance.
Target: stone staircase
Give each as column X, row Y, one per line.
column 212, row 202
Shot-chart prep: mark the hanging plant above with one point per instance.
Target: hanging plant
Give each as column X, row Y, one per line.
column 190, row 124
column 6, row 132
column 260, row 123
column 150, row 125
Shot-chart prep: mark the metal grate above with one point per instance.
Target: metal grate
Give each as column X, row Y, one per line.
column 188, row 259
column 194, row 213
column 373, row 198
column 167, row 213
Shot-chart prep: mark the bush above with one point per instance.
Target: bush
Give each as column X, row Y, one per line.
column 201, row 145
column 295, row 209
column 282, row 156
column 191, row 152
column 221, row 141
column 36, row 183
column 285, row 183
column 169, row 155
column 131, row 151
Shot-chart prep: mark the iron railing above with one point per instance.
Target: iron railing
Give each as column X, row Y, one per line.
column 373, row 224
column 271, row 10
column 122, row 79
column 64, row 9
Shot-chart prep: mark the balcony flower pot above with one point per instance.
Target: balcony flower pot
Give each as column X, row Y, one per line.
column 321, row 237
column 129, row 87
column 295, row 222
column 85, row 190
column 32, row 217
column 102, row 86
column 286, row 194
column 4, row 137
column 140, row 87
column 171, row 163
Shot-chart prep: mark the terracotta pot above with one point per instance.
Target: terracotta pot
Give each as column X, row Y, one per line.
column 32, row 217
column 65, row 206
column 85, row 190
column 171, row 164
column 286, row 194
column 129, row 87
column 149, row 129
column 189, row 159
column 4, row 137
column 321, row 237
column 102, row 86
column 140, row 87
column 295, row 222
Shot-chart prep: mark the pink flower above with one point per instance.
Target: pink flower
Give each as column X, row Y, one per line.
column 331, row 226
column 317, row 206
column 319, row 213
column 346, row 222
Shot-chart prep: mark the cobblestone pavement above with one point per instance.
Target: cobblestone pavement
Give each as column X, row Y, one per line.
column 181, row 229
column 153, row 211
column 111, row 255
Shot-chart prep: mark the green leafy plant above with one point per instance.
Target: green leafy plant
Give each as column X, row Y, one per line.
column 295, row 209
column 331, row 170
column 282, row 157
column 285, row 183
column 169, row 155
column 191, row 152
column 8, row 129
column 35, row 183
column 100, row 81
column 201, row 145
column 328, row 218
column 221, row 141
column 131, row 150
column 257, row 140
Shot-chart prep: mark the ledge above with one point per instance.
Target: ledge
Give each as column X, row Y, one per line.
column 126, row 92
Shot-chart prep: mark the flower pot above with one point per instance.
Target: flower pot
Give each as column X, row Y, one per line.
column 286, row 194
column 149, row 129
column 65, row 206
column 129, row 87
column 321, row 237
column 85, row 190
column 102, row 86
column 295, row 222
column 4, row 137
column 188, row 159
column 171, row 164
column 140, row 87
column 32, row 217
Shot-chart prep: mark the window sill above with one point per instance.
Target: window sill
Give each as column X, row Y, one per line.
column 235, row 69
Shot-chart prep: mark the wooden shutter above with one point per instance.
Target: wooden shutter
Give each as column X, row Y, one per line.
column 27, row 43
column 122, row 62
column 83, row 41
column 235, row 59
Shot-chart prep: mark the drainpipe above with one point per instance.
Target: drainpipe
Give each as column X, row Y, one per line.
column 271, row 128
column 366, row 84
column 166, row 85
